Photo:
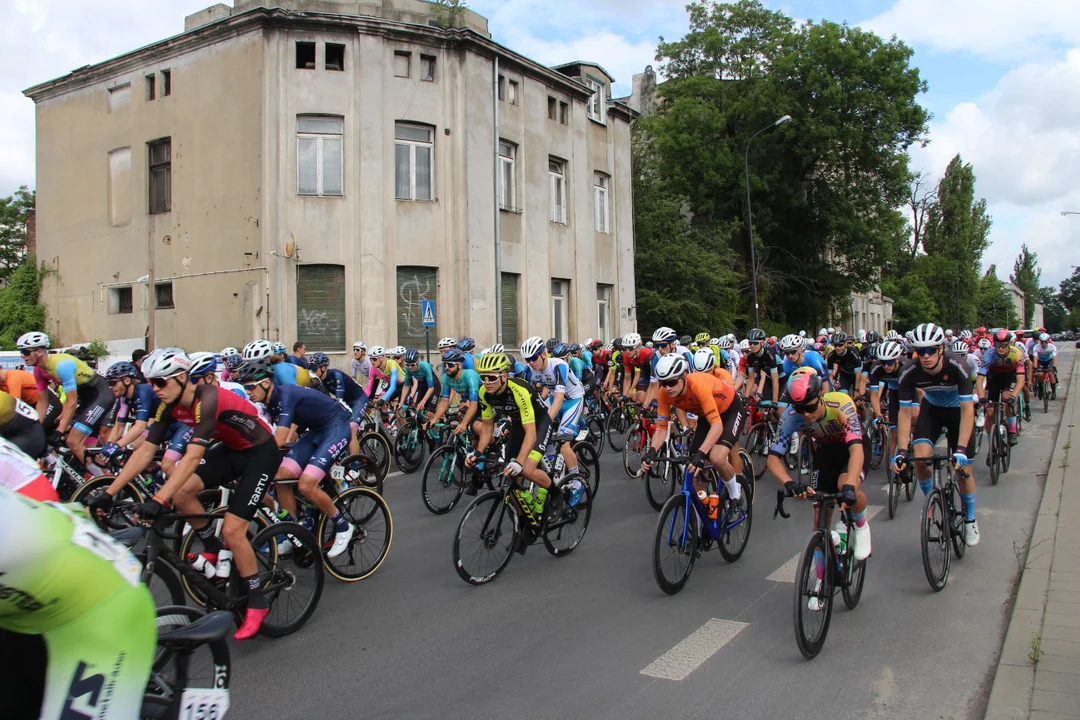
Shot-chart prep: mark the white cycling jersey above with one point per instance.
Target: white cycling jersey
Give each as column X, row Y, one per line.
column 17, row 469
column 557, row 377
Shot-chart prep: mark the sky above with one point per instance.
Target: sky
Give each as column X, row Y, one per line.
column 1003, row 75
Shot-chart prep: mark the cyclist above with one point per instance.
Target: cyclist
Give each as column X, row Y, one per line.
column 23, row 385
column 1044, row 353
column 577, row 366
column 246, row 451
column 140, row 405
column 530, row 425
column 845, row 362
column 565, row 394
column 796, row 356
column 299, row 356
column 284, row 373
column 204, row 370
column 361, row 363
column 230, row 359
column 338, row 385
column 422, row 387
column 19, row 425
column 87, row 400
column 947, row 404
column 886, row 374
column 763, row 367
column 466, row 383
column 1025, row 347
column 962, row 350
column 664, row 344
column 467, row 345
column 1002, row 376
column 77, row 626
column 637, row 364
column 325, row 436
column 385, row 368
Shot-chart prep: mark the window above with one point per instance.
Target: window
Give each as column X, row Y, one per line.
column 557, row 173
column 502, row 87
column 414, row 283
column 120, row 186
column 166, row 83
column 319, row 155
column 604, row 318
column 414, row 147
column 598, row 100
column 427, row 68
column 163, row 297
column 120, row 97
column 401, row 63
column 560, row 292
column 512, row 95
column 600, row 195
column 507, row 176
column 320, row 307
column 564, row 113
column 120, row 300
column 160, row 176
column 150, row 87
column 509, row 295
column 335, row 56
column 552, row 105
column 305, row 56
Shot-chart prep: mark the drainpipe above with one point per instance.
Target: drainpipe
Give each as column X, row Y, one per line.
column 495, row 205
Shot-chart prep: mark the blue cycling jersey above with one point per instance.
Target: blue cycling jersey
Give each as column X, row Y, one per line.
column 811, row 359
column 298, row 361
column 342, row 386
column 424, row 375
column 143, row 403
column 285, row 373
column 470, row 362
column 521, row 370
column 586, row 355
column 1044, row 354
column 467, row 385
column 304, row 407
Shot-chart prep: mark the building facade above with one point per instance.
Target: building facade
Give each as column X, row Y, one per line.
column 314, row 169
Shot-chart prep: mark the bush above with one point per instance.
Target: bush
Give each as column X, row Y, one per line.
column 20, row 311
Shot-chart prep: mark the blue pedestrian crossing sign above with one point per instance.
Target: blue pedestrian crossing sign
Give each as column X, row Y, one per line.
column 427, row 310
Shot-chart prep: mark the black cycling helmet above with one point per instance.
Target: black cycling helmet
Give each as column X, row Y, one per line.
column 873, row 337
column 120, row 370
column 453, row 355
column 839, row 338
column 466, row 344
column 756, row 335
column 412, row 356
column 560, row 351
column 617, row 344
column 255, row 370
column 551, row 343
column 319, row 359
column 686, row 340
column 575, row 349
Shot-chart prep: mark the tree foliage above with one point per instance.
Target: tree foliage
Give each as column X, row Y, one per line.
column 1025, row 275
column 1070, row 290
column 20, row 311
column 13, row 214
column 994, row 303
column 1054, row 312
column 448, row 12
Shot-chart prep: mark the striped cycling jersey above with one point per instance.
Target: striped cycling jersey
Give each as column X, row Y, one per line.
column 950, row 386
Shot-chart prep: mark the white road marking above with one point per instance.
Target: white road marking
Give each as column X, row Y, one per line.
column 686, row 657
column 786, row 572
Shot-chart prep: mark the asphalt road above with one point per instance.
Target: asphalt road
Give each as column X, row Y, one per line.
column 570, row 637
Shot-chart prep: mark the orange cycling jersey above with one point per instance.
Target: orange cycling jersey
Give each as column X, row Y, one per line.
column 22, row 385
column 705, row 395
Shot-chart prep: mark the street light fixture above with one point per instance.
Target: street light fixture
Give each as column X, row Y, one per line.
column 1069, row 212
column 750, row 218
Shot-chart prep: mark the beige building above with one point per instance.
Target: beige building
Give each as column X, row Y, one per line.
column 312, row 170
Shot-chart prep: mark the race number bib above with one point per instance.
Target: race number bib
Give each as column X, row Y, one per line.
column 87, row 536
column 203, row 704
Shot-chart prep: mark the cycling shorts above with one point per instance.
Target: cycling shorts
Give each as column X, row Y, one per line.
column 732, row 419
column 845, row 382
column 95, row 401
column 998, row 383
column 52, row 415
column 255, row 467
column 830, row 462
column 358, row 408
column 26, row 434
column 179, row 437
column 1045, row 365
column 316, row 451
column 517, row 437
column 932, row 420
column 569, row 415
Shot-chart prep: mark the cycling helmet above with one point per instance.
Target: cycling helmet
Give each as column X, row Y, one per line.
column 575, row 349
column 839, row 338
column 1043, row 337
column 671, row 367
column 744, row 345
column 532, row 347
column 985, row 344
column 726, row 342
column 482, row 353
column 823, row 331
column 453, row 355
column 948, row 332
column 704, row 360
column 631, row 341
column 1002, row 336
column 560, row 351
column 120, row 370
column 466, row 344
column 359, row 345
column 790, row 343
column 648, row 344
column 804, row 387
column 257, row 350
column 280, row 349
column 412, row 357
column 551, row 343
column 873, row 337
column 910, row 335
column 714, row 341
column 319, row 360
column 892, row 335
column 889, row 350
column 229, row 352
column 757, row 335
column 965, row 334
column 498, row 348
column 447, row 342
column 802, row 333
column 664, row 334
column 702, row 337
column 166, row 363
column 398, row 351
column 928, row 335
column 254, row 370
column 202, row 364
column 596, row 345
column 376, row 351
column 1019, row 334
column 232, row 362
column 960, row 348
column 32, row 341
column 861, row 335
column 685, row 340
column 494, row 362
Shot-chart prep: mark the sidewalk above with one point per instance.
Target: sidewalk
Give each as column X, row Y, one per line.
column 1038, row 675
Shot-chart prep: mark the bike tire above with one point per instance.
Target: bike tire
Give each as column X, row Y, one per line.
column 995, row 454
column 748, row 472
column 956, row 518
column 164, row 585
column 894, row 492
column 597, row 436
column 615, row 428
column 881, row 439
column 209, row 665
column 660, row 487
column 375, row 445
column 444, row 480
column 735, row 534
column 588, row 463
column 188, row 547
column 409, row 447
column 281, row 575
column 934, row 532
column 492, row 536
column 856, row 577
column 565, row 532
column 370, row 515
column 909, row 485
column 757, row 444
column 676, row 534
column 1006, row 454
column 812, row 626
column 636, row 443
column 1046, row 396
column 362, row 471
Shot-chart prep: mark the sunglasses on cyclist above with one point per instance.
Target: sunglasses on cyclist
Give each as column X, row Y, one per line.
column 25, row 353
column 535, row 357
column 490, row 378
column 114, row 383
column 806, row 409
column 669, row 383
column 159, row 383
column 662, row 345
column 755, row 344
column 248, row 387
column 412, row 366
column 792, row 353
column 450, row 366
column 926, row 351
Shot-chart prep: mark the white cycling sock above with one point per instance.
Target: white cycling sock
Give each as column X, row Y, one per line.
column 733, row 488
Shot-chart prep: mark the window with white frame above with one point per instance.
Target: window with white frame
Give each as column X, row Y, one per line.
column 604, row 319
column 507, row 175
column 600, row 202
column 598, row 100
column 560, row 298
column 557, row 173
column 319, row 155
column 414, row 150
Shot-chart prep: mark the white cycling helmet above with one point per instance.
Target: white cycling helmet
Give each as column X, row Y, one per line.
column 631, row 341
column 948, row 332
column 166, row 363
column 648, row 344
column 397, row 350
column 791, row 342
column 928, row 335
column 202, row 363
column 1044, row 337
column 535, row 345
column 802, row 333
column 497, row 348
column 672, row 367
column 892, row 335
column 32, row 341
column 664, row 334
column 824, row 331
column 376, row 351
column 714, row 341
column 861, row 335
column 830, row 331
column 960, row 348
column 280, row 349
column 257, row 350
column 744, row 345
column 229, row 352
column 704, row 360
column 966, row 334
column 359, row 345
column 985, row 344
column 447, row 342
column 727, row 342
column 889, row 350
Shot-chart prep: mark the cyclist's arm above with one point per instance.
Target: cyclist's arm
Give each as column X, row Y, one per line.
column 487, row 429
column 136, row 463
column 391, row 384
column 183, row 471
column 134, row 433
column 875, row 399
column 775, row 385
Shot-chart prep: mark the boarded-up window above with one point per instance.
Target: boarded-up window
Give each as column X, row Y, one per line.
column 415, row 283
column 160, row 176
column 120, row 186
column 509, row 294
column 320, row 307
column 119, row 97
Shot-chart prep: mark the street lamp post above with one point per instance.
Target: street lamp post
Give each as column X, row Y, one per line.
column 1069, row 212
column 750, row 218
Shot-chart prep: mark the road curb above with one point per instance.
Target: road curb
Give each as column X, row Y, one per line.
column 1014, row 681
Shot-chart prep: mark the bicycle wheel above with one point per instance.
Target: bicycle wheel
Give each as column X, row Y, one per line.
column 637, row 440
column 618, row 422
column 1046, row 395
column 748, row 472
column 373, row 532
column 995, row 452
column 1006, row 448
column 192, row 545
column 409, row 447
column 894, row 492
column 444, row 480
column 486, row 537
column 588, row 463
column 292, row 582
column 878, row 442
column 362, row 471
column 675, row 545
column 377, row 447
column 813, row 595
column 660, row 486
column 164, row 584
column 737, row 522
column 856, row 576
column 597, row 436
column 909, row 483
column 956, row 517
column 757, row 444
column 208, row 666
column 565, row 531
column 92, row 488
column 935, row 540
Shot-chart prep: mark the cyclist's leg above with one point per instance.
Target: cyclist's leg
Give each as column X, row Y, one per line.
column 531, row 469
column 95, row 402
column 319, row 453
column 720, row 454
column 927, row 428
column 568, row 418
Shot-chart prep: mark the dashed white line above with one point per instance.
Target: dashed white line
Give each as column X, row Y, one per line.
column 686, row 657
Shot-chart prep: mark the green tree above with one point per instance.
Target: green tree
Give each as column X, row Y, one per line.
column 20, row 311
column 912, row 301
column 1054, row 312
column 13, row 214
column 448, row 12
column 1026, row 274
column 994, row 304
column 1070, row 290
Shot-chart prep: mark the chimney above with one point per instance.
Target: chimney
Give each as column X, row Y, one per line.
column 31, row 232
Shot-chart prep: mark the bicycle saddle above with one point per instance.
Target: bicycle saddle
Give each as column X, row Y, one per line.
column 206, row 629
